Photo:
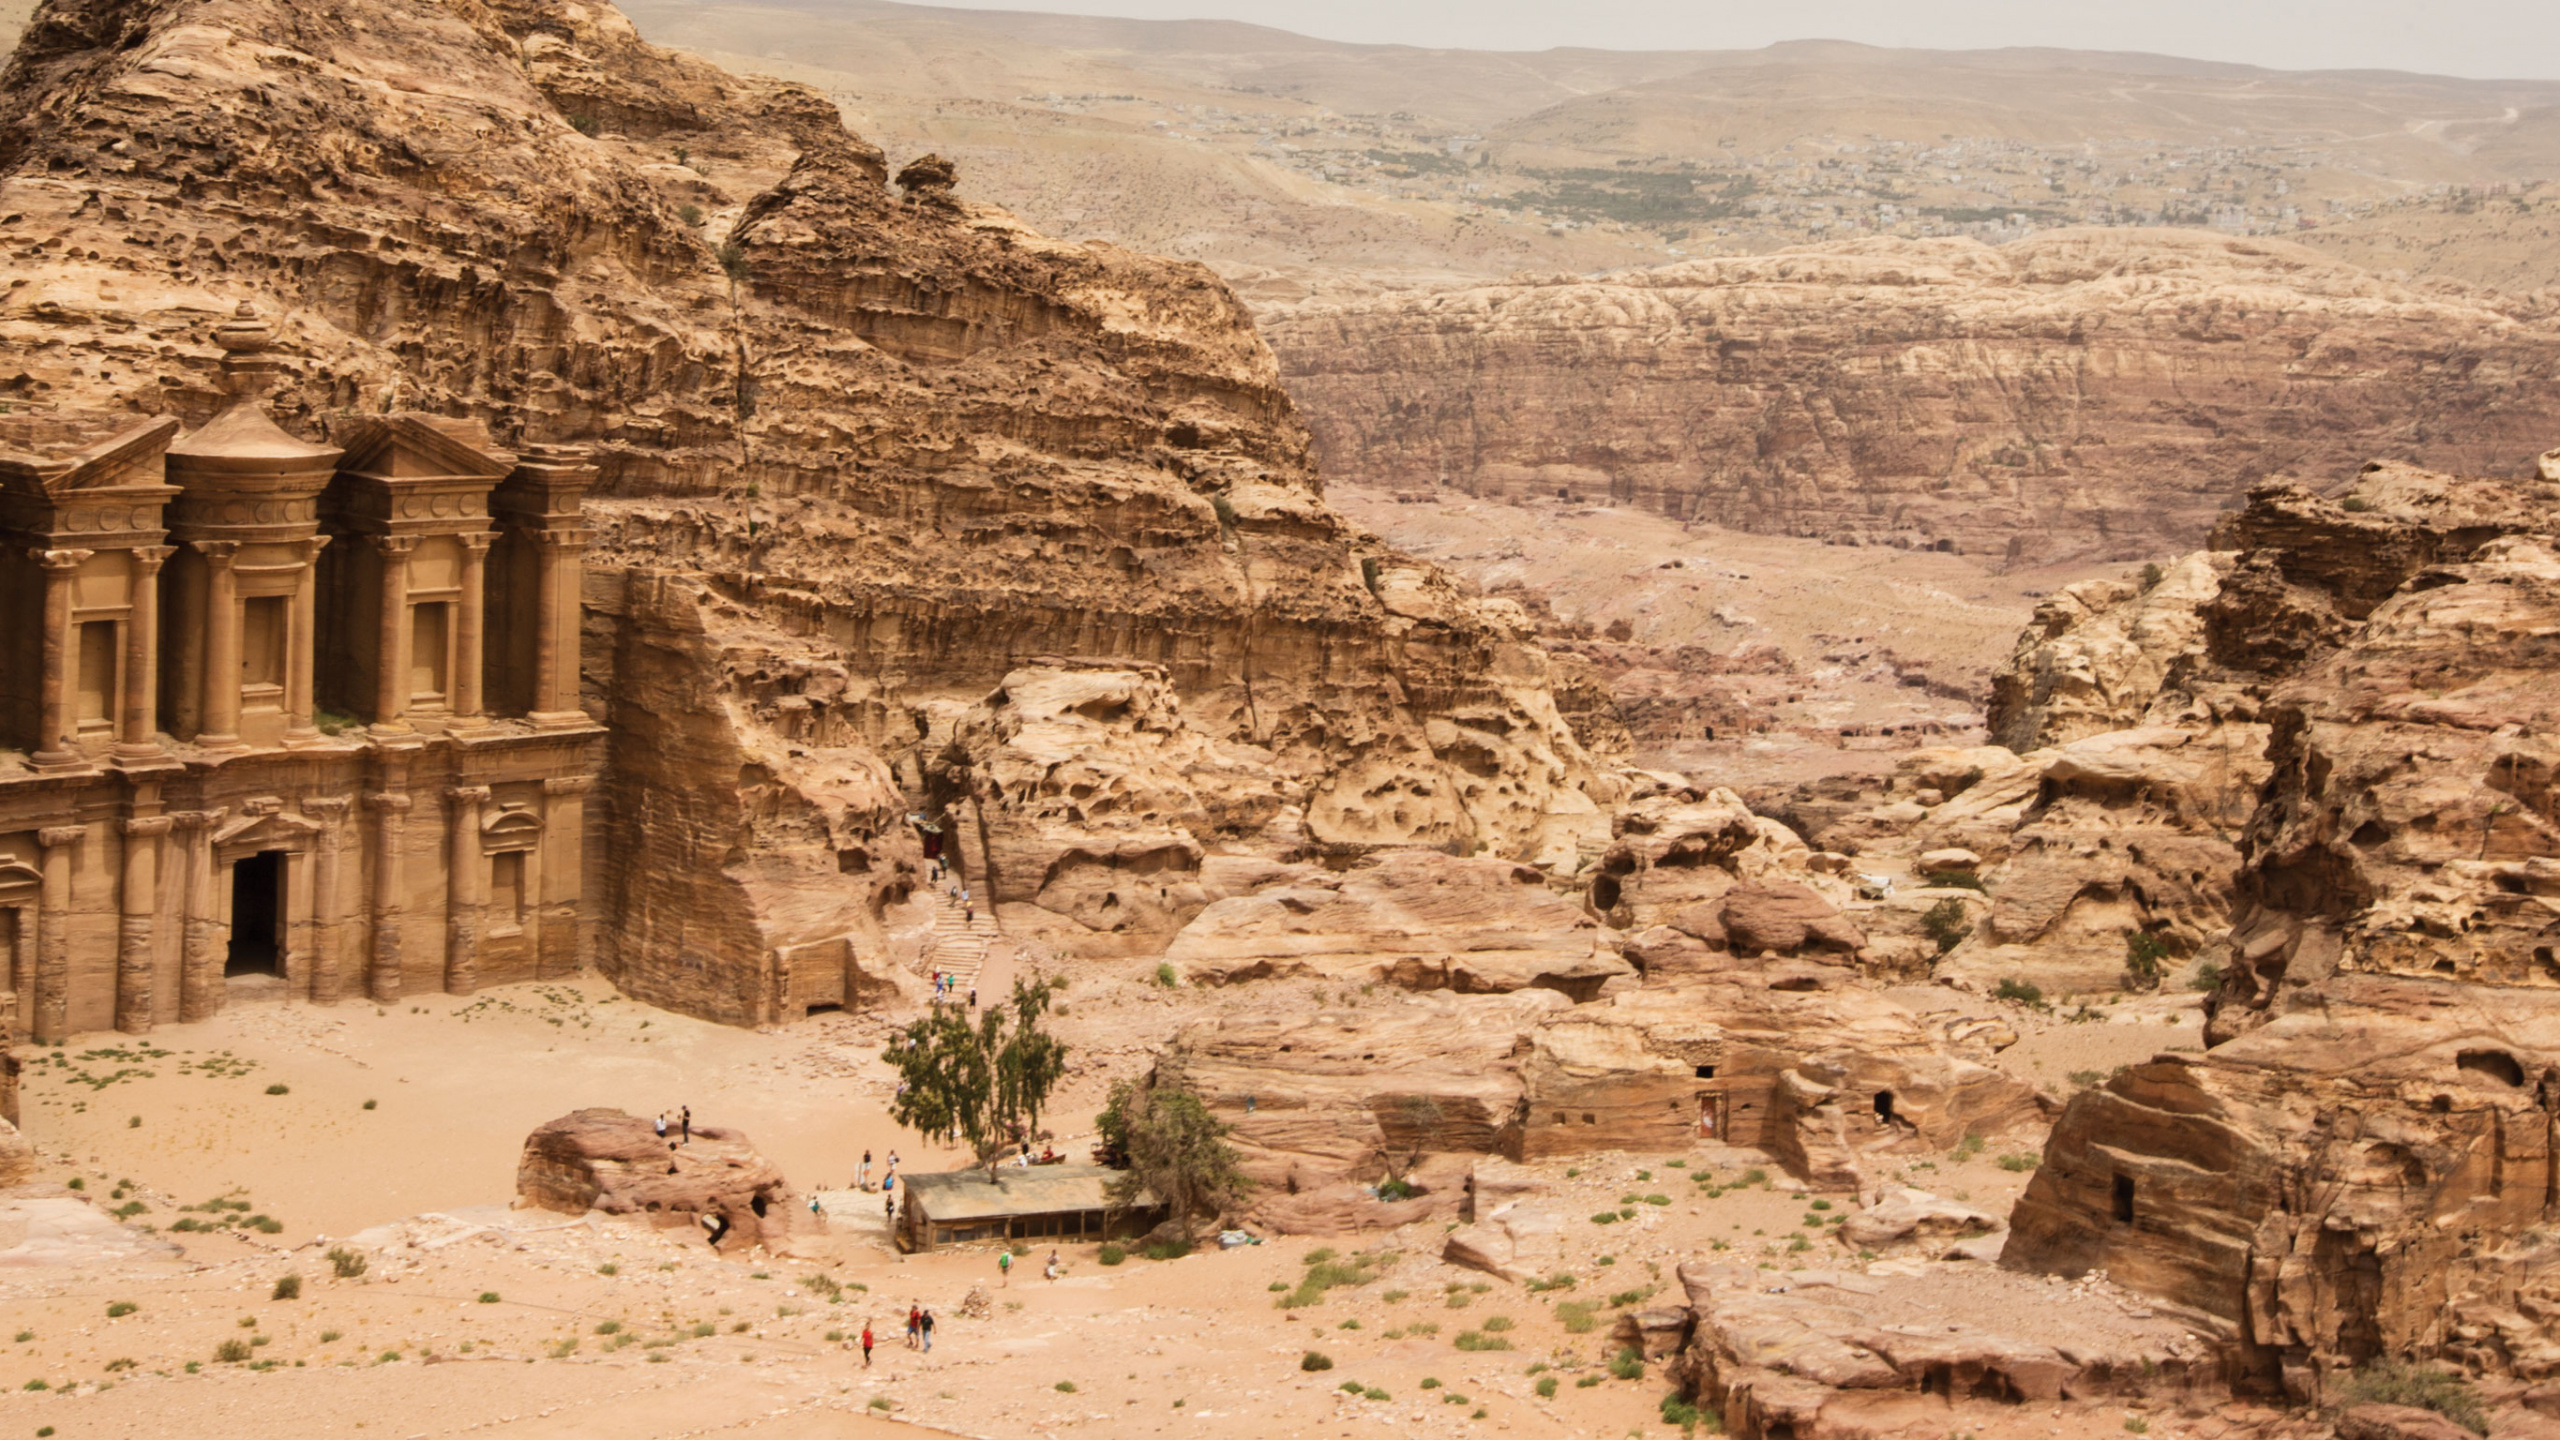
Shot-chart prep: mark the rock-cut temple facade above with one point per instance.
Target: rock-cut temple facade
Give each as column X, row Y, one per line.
column 284, row 718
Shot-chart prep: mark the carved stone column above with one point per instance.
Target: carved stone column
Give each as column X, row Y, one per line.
column 558, row 589
column 221, row 706
column 391, row 644
column 141, row 901
column 52, row 1020
column 298, row 658
column 137, row 738
column 18, row 1016
column 469, row 627
column 200, row 955
column 562, row 875
column 390, row 819
column 464, row 901
column 55, row 746
column 328, row 905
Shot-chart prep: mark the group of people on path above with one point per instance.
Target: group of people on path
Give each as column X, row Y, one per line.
column 919, row 1333
column 1004, row 1267
column 946, row 985
column 680, row 1119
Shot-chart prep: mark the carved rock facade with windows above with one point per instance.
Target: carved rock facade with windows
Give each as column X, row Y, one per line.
column 290, row 719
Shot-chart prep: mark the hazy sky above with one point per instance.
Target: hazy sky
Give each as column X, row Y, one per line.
column 2486, row 38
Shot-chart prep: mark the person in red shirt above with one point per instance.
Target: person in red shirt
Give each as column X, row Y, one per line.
column 915, row 1324
column 866, row 1344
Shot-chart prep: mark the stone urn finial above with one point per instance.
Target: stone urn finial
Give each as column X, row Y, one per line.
column 248, row 372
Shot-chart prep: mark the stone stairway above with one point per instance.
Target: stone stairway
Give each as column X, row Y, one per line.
column 959, row 943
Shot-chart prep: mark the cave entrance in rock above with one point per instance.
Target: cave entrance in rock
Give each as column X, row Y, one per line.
column 1884, row 1107
column 257, row 915
column 2124, row 1199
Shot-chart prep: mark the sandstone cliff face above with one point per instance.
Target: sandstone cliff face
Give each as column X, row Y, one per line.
column 865, row 450
column 2362, row 1162
column 2081, row 393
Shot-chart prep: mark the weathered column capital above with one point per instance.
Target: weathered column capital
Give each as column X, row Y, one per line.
column 393, row 546
column 476, row 542
column 193, row 820
column 468, row 795
column 59, row 562
column 384, row 800
column 565, row 540
column 218, row 553
column 328, row 809
column 55, row 836
column 147, row 826
column 568, row 784
column 149, row 558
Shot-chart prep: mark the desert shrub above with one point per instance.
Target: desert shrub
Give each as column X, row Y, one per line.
column 288, row 1287
column 1478, row 1340
column 488, row 1297
column 1677, row 1410
column 1625, row 1298
column 1369, row 572
column 1946, row 924
column 279, row 1090
column 1547, row 1388
column 1114, row 1254
column 1586, row 1382
column 1166, row 1250
column 1226, row 511
column 1374, row 1393
column 2355, row 504
column 231, row 1352
column 1953, row 880
column 347, row 1263
column 2143, row 953
column 1398, row 1190
column 1430, row 1382
column 609, row 1268
column 1605, row 1217
column 733, row 260
column 1558, row 1281
column 2024, row 992
column 1627, row 1365
column 608, row 1327
column 2020, row 1163
column 1496, row 1324
column 690, row 214
column 1315, row 1360
column 2152, row 575
column 121, row 1307
column 2208, row 977
column 1065, row 1387
column 1166, row 975
column 2400, row 1382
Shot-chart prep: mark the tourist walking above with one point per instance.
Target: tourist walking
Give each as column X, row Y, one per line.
column 866, row 1344
column 688, row 1124
column 1004, row 1268
column 915, row 1322
column 928, row 1332
column 862, row 1177
column 1053, row 1265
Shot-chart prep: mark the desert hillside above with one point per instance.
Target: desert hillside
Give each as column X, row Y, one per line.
column 2084, row 394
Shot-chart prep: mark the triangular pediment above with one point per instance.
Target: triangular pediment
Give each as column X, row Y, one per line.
column 267, row 832
column 423, row 447
column 54, row 455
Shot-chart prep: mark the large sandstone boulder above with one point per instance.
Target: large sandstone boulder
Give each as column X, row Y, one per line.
column 2099, row 653
column 605, row 1160
column 1415, row 918
column 17, row 1157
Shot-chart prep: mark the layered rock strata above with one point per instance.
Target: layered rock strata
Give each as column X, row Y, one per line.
column 865, row 450
column 2361, row 1164
column 2080, row 393
column 618, row 1164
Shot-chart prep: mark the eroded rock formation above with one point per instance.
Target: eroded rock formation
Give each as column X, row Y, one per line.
column 865, row 452
column 608, row 1161
column 2078, row 393
column 2361, row 1164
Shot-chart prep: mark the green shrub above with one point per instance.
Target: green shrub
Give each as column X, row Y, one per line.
column 121, row 1307
column 488, row 1297
column 1369, row 572
column 2208, row 977
column 690, row 214
column 1952, row 880
column 879, row 1402
column 1166, row 1250
column 329, row 1337
column 2400, row 1382
column 609, row 1268
column 347, row 1263
column 1605, row 1217
column 1627, row 1365
column 2020, row 1163
column 2355, row 504
column 288, row 1287
column 1350, row 1387
column 279, row 1090
column 2143, row 953
column 1113, row 1255
column 1065, row 1387
column 1496, row 1324
column 1575, row 1317
column 1374, row 1393
column 2152, row 575
column 1478, row 1340
column 1676, row 1410
column 1315, row 1360
column 1558, row 1281
column 2024, row 992
column 1946, row 924
column 1166, row 976
column 1586, row 1382
column 1226, row 511
column 1430, row 1383
column 733, row 260
column 1397, row 1190
column 231, row 1352
column 1547, row 1388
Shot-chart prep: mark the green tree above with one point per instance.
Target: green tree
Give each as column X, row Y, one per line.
column 1174, row 1148
column 984, row 1084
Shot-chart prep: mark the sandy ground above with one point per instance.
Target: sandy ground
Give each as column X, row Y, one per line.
column 586, row 1326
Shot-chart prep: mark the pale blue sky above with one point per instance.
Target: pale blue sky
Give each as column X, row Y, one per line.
column 2518, row 39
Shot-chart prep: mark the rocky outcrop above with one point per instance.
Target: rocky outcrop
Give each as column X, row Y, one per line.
column 2081, row 393
column 1415, row 918
column 2100, row 652
column 865, row 454
column 607, row 1161
column 17, row 1157
column 1827, row 1081
column 2359, row 1165
column 1826, row 1356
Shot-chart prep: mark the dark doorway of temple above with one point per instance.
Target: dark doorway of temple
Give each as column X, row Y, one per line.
column 257, row 915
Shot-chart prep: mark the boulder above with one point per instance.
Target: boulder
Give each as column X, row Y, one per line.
column 1783, row 917
column 1519, row 1244
column 608, row 1161
column 17, row 1157
column 1903, row 1218
column 2398, row 1422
